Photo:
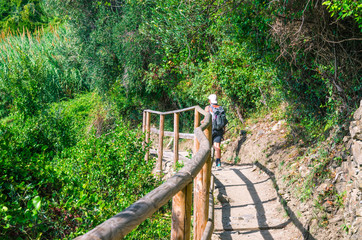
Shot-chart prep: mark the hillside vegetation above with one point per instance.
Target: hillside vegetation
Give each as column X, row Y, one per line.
column 75, row 75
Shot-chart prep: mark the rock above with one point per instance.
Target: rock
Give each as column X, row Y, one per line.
column 304, row 208
column 357, row 152
column 336, row 219
column 346, row 139
column 349, row 144
column 322, row 187
column 328, row 207
column 278, row 125
column 272, row 165
column 355, row 130
column 320, row 215
column 356, row 227
column 286, row 197
column 223, row 198
column 314, row 224
column 358, row 113
column 304, row 171
column 345, row 166
column 260, row 133
column 340, row 187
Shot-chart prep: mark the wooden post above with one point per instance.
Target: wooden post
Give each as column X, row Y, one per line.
column 181, row 214
column 188, row 211
column 206, row 170
column 160, row 145
column 182, row 201
column 144, row 122
column 144, row 129
column 176, row 138
column 209, row 136
column 198, row 190
column 196, row 125
column 148, row 131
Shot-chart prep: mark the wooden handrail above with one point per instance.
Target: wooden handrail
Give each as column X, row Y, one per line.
column 171, row 134
column 179, row 185
column 198, row 108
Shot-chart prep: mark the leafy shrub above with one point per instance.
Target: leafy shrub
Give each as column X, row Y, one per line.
column 21, row 14
column 61, row 177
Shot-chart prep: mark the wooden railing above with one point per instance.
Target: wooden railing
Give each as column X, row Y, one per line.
column 196, row 175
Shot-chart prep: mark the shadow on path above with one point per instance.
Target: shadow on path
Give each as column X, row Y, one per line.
column 261, row 227
column 306, row 234
column 241, row 141
column 226, row 208
column 260, row 211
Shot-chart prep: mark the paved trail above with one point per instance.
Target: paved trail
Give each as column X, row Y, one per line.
column 247, row 206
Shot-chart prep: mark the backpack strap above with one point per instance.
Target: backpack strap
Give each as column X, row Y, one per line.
column 211, row 109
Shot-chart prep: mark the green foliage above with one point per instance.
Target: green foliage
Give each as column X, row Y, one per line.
column 63, row 173
column 319, row 171
column 345, row 8
column 36, row 70
column 20, row 14
column 315, row 72
column 152, row 54
column 346, row 228
column 245, row 81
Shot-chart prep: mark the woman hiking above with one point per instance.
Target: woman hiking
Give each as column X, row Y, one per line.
column 219, row 122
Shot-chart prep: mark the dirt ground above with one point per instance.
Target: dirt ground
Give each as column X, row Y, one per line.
column 248, row 207
column 267, row 145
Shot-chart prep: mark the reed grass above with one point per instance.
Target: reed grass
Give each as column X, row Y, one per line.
column 37, row 68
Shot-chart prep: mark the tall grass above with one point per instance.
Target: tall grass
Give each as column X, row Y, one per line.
column 37, row 68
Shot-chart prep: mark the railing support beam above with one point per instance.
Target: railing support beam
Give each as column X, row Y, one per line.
column 176, row 138
column 160, row 145
column 199, row 192
column 148, row 131
column 181, row 214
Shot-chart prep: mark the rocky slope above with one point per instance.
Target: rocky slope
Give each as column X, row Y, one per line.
column 319, row 184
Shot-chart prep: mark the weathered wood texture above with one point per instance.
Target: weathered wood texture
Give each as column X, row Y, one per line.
column 144, row 122
column 199, row 196
column 172, row 134
column 209, row 229
column 176, row 120
column 181, row 214
column 160, row 145
column 206, row 174
column 148, row 132
column 121, row 224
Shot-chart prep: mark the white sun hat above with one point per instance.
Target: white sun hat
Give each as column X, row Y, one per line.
column 213, row 99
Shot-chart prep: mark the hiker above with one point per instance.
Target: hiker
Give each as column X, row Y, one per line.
column 219, row 122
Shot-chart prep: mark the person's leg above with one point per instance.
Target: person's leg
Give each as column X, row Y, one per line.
column 217, row 150
column 217, row 153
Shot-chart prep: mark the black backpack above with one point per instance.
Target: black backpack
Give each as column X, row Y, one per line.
column 218, row 118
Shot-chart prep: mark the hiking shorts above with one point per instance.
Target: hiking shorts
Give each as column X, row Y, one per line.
column 217, row 136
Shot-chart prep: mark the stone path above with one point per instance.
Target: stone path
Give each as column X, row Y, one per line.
column 247, row 206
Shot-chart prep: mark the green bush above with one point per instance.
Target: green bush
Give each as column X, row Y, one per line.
column 20, row 14
column 63, row 173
